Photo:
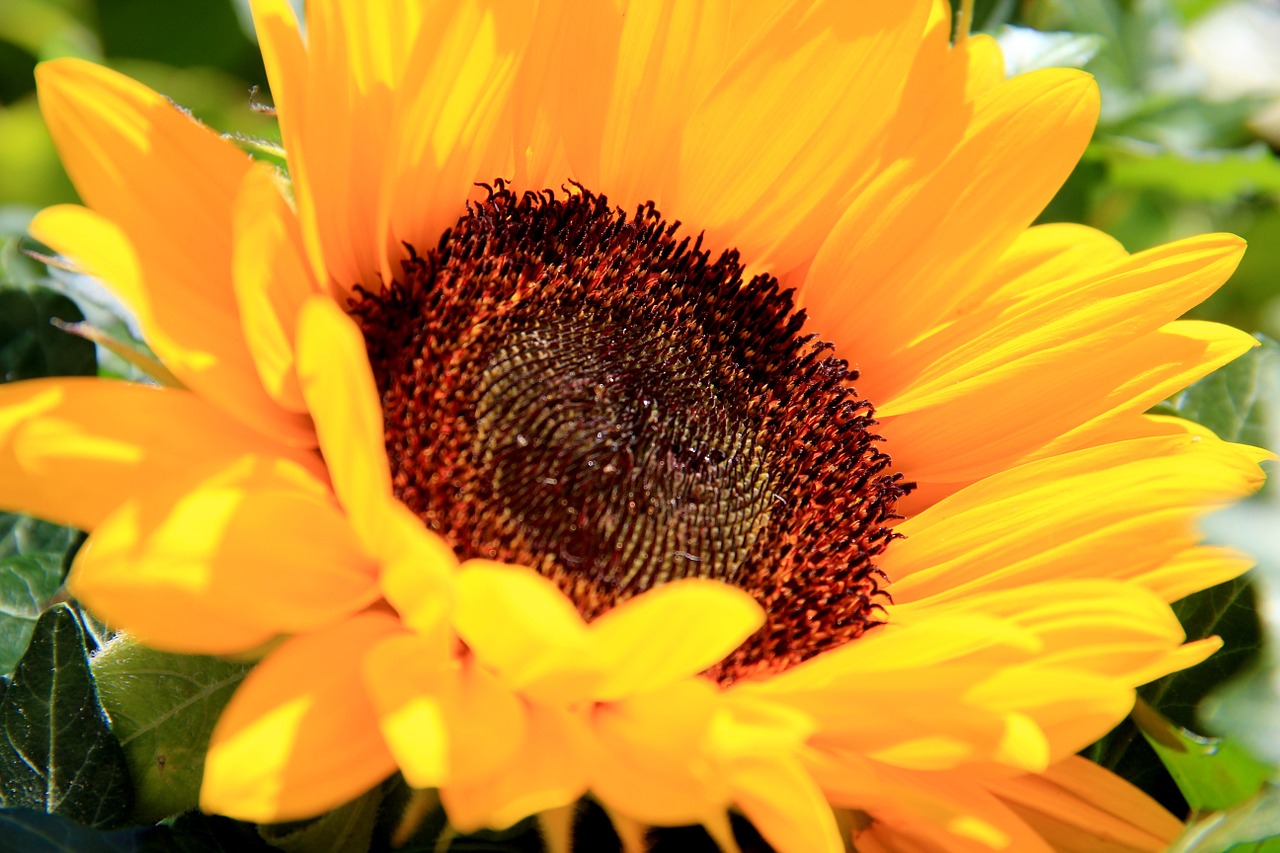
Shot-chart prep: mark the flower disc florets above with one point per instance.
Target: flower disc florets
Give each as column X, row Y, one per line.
column 582, row 391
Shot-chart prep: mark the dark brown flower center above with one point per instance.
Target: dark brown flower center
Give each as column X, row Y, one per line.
column 584, row 392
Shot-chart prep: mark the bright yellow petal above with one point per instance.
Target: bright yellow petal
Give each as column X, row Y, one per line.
column 338, row 385
column 258, row 542
column 639, row 651
column 653, row 762
column 164, row 188
column 73, row 450
column 444, row 721
column 417, row 569
column 991, row 388
column 1114, row 511
column 520, row 625
column 272, row 281
column 300, row 736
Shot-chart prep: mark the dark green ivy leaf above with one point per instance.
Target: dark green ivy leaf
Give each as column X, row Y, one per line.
column 57, row 753
column 33, row 558
column 32, row 831
column 1232, row 400
column 30, row 346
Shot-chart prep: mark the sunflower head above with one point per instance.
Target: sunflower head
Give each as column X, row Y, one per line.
column 659, row 403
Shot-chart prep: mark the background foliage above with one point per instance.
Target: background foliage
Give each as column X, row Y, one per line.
column 1187, row 144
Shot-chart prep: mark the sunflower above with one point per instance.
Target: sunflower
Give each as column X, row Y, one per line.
column 666, row 403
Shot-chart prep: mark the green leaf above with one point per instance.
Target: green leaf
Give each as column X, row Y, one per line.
column 30, row 346
column 163, row 708
column 33, row 557
column 32, row 831
column 57, row 752
column 1227, row 611
column 1212, row 774
column 1220, row 175
column 1252, row 827
column 1232, row 400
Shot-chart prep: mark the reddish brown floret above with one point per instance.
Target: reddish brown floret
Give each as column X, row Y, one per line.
column 585, row 392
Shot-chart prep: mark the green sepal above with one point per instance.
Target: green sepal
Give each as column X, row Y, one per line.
column 163, row 709
column 1213, row 774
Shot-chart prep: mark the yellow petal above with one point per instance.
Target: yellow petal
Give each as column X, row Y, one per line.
column 1193, row 570
column 639, row 650
column 272, row 281
column 1076, row 340
column 549, row 770
column 1081, row 808
column 520, row 625
column 622, row 84
column 399, row 112
column 653, row 763
column 417, row 569
column 338, row 385
column 1115, row 511
column 784, row 803
column 444, row 721
column 1112, row 511
column 898, row 241
column 73, row 450
column 257, row 542
column 300, row 736
column 169, row 185
column 767, row 198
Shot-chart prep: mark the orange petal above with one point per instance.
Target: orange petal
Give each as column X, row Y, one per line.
column 73, row 450
column 652, row 756
column 784, row 803
column 401, row 111
column 300, row 736
column 640, row 648
column 896, row 264
column 445, row 721
column 1078, row 806
column 338, row 385
column 258, row 542
column 766, row 198
column 623, row 82
column 550, row 770
column 169, row 186
column 272, row 280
